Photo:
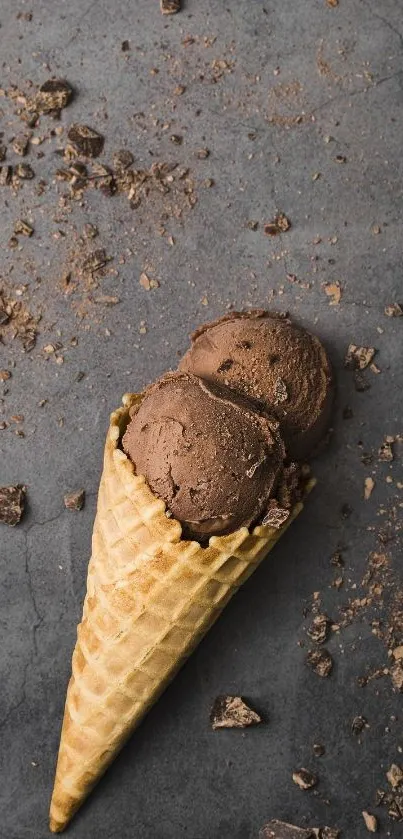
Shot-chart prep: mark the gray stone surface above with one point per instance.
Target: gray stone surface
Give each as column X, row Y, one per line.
column 296, row 74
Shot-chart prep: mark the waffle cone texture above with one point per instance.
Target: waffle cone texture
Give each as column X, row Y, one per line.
column 151, row 597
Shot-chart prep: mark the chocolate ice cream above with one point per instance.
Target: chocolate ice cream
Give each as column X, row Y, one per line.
column 267, row 357
column 208, row 453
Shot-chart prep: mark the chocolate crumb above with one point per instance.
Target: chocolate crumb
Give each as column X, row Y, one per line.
column 74, row 500
column 369, row 485
column 358, row 724
column 125, row 46
column 360, row 383
column 85, row 140
column 395, row 775
column 385, row 451
column 319, row 628
column 232, row 712
column 320, row 662
column 395, row 310
column 396, row 673
column 280, row 224
column 304, row 779
column 318, row 749
column 371, row 823
column 170, row 7
column 12, row 500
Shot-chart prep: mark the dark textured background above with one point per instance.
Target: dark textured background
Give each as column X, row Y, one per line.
column 344, row 71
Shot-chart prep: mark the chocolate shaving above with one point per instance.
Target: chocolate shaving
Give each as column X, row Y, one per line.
column 275, row 517
column 85, row 140
column 75, row 500
column 12, row 500
column 281, row 830
column 232, row 712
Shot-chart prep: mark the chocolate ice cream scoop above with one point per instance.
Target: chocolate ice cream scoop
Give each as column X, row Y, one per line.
column 206, row 452
column 267, row 357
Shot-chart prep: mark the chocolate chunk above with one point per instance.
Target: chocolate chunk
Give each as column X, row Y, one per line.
column 281, row 830
column 358, row 358
column 85, row 140
column 12, row 499
column 318, row 749
column 6, row 173
column 22, row 227
column 319, row 628
column 170, row 7
column 75, row 500
column 232, row 712
column 53, row 95
column 304, row 779
column 94, row 261
column 20, row 144
column 320, row 661
column 122, row 160
column 24, row 171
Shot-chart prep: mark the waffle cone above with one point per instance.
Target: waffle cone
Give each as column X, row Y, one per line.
column 151, row 597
